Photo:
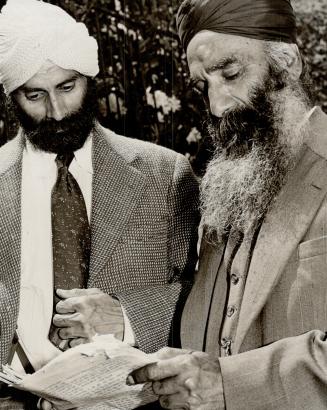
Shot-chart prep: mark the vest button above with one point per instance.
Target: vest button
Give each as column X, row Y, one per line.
column 235, row 279
column 231, row 310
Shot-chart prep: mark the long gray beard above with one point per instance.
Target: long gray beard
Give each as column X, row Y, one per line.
column 237, row 191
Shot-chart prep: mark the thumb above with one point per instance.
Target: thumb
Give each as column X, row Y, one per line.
column 44, row 405
column 71, row 293
column 169, row 353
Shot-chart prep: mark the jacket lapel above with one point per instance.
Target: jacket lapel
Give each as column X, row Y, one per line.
column 117, row 187
column 280, row 234
column 10, row 240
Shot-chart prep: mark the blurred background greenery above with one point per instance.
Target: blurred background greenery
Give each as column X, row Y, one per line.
column 143, row 85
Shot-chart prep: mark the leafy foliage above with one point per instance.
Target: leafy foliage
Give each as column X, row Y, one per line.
column 312, row 39
column 143, row 84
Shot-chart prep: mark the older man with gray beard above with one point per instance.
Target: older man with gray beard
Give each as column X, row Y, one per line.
column 97, row 231
column 256, row 317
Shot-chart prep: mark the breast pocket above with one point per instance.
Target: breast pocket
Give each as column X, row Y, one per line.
column 312, row 269
column 140, row 257
column 311, row 281
column 147, row 229
column 314, row 247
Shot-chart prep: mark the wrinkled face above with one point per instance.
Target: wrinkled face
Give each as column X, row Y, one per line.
column 52, row 93
column 225, row 68
column 56, row 109
column 255, row 112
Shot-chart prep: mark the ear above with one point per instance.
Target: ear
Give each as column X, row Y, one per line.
column 292, row 61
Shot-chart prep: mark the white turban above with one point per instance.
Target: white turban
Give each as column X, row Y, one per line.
column 32, row 32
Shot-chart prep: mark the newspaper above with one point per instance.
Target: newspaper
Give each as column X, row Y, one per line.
column 90, row 376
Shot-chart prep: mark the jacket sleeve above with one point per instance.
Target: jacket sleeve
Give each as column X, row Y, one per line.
column 288, row 374
column 154, row 311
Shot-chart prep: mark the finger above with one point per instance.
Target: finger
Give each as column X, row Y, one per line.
column 66, row 320
column 83, row 330
column 191, row 386
column 169, row 353
column 175, row 401
column 66, row 306
column 44, row 405
column 169, row 386
column 70, row 293
column 78, row 341
column 156, row 371
column 70, row 332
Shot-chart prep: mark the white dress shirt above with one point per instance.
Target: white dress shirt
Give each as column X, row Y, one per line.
column 36, row 293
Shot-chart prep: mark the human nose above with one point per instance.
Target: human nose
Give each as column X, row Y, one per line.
column 220, row 100
column 55, row 108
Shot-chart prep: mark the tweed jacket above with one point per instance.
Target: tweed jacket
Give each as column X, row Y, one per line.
column 279, row 355
column 143, row 232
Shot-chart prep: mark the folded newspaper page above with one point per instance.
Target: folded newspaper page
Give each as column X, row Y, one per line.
column 90, row 376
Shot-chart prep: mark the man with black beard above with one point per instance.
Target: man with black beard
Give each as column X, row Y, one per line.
column 97, row 230
column 255, row 320
column 68, row 133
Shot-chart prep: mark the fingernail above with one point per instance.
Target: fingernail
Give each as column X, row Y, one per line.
column 130, row 380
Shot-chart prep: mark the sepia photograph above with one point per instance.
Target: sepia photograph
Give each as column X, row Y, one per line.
column 163, row 204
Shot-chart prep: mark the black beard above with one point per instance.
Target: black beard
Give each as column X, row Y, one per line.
column 241, row 128
column 66, row 135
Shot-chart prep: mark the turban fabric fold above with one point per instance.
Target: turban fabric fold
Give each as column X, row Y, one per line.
column 33, row 32
column 271, row 20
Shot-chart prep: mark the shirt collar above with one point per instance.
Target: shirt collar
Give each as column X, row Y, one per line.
column 83, row 156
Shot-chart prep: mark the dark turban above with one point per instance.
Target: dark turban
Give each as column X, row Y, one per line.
column 271, row 20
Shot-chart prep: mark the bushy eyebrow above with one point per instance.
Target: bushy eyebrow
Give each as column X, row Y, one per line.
column 221, row 64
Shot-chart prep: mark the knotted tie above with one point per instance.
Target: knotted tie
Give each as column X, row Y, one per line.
column 70, row 235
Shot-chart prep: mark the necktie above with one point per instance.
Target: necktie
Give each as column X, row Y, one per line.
column 70, row 234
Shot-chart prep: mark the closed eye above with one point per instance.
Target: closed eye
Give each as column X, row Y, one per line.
column 67, row 87
column 231, row 73
column 231, row 77
column 34, row 95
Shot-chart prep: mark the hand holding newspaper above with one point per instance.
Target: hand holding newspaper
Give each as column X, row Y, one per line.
column 90, row 376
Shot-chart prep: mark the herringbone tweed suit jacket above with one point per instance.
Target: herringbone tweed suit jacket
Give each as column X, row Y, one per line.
column 279, row 354
column 143, row 231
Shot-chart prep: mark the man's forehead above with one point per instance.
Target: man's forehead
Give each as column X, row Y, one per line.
column 207, row 45
column 50, row 73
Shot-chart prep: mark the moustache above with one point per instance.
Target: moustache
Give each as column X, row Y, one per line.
column 51, row 126
column 237, row 121
column 241, row 126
